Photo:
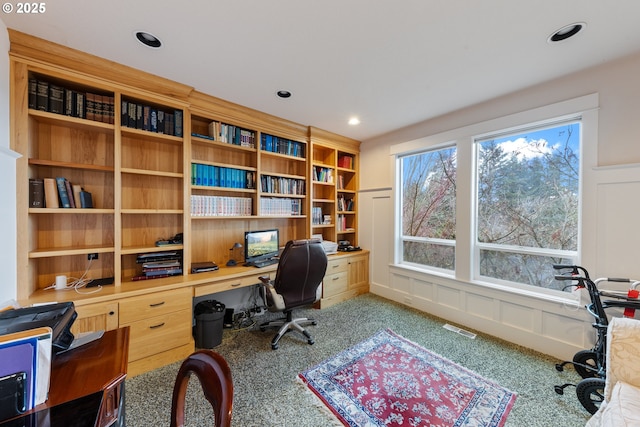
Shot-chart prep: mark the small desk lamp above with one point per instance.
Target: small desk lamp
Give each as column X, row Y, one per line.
column 235, row 256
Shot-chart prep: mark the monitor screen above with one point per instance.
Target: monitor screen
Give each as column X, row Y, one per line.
column 260, row 244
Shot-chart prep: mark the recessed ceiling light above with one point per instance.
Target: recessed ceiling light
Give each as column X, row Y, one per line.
column 283, row 94
column 354, row 121
column 148, row 39
column 566, row 32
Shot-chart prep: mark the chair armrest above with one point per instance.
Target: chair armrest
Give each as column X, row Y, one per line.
column 272, row 299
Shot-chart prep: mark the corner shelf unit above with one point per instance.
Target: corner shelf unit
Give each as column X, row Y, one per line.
column 334, row 177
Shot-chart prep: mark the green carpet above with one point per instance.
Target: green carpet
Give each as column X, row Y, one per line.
column 267, row 394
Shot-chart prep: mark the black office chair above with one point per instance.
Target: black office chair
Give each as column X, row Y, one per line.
column 301, row 269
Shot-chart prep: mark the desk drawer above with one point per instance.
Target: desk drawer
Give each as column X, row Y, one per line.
column 335, row 283
column 336, row 265
column 160, row 333
column 225, row 285
column 157, row 304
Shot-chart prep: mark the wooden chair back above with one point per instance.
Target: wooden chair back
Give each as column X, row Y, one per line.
column 215, row 377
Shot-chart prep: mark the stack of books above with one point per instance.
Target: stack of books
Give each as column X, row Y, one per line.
column 156, row 265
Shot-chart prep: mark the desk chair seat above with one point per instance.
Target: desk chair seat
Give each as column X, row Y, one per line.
column 301, row 269
column 215, row 378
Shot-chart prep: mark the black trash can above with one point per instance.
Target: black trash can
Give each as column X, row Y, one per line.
column 209, row 322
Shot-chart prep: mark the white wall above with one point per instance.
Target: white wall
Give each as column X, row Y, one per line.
column 611, row 234
column 8, row 178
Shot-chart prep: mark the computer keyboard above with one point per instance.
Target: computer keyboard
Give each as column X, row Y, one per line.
column 266, row 262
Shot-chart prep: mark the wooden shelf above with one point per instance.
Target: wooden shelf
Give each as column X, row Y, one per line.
column 59, row 252
column 152, row 173
column 59, row 119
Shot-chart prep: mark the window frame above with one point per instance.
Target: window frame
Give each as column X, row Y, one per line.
column 479, row 246
column 585, row 107
column 419, row 239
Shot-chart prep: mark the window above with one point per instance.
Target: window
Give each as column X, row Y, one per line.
column 429, row 208
column 527, row 203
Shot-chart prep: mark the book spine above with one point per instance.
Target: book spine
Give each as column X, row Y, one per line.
column 42, row 97
column 56, row 99
column 177, row 115
column 86, row 201
column 72, row 202
column 81, row 105
column 36, row 193
column 77, row 189
column 33, row 93
column 62, row 192
column 51, row 193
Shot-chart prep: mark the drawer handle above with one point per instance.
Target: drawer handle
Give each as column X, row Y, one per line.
column 235, row 284
column 157, row 326
column 111, row 313
column 158, row 304
column 335, row 266
column 335, row 278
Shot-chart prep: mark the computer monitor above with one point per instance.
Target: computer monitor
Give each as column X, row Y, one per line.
column 260, row 245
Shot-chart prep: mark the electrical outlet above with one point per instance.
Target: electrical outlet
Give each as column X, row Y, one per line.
column 92, row 256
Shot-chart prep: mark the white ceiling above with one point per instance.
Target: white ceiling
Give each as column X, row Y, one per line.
column 392, row 63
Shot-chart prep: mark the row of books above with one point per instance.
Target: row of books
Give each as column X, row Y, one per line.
column 204, row 206
column 281, row 185
column 279, row 145
column 344, row 204
column 57, row 192
column 341, row 224
column 25, row 370
column 58, row 99
column 277, row 206
column 317, row 217
column 345, row 161
column 220, row 176
column 322, row 174
column 159, row 264
column 230, row 134
column 152, row 119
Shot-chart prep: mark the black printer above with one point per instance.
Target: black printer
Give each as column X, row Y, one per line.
column 59, row 317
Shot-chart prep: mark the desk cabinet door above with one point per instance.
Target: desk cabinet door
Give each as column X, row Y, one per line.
column 96, row 317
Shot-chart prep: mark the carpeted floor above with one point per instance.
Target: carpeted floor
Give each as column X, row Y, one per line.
column 267, row 393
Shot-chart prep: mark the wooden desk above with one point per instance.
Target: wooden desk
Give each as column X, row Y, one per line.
column 85, row 382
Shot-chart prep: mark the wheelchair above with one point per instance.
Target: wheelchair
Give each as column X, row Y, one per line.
column 591, row 364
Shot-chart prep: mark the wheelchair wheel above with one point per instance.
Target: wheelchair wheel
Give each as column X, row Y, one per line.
column 585, row 363
column 590, row 393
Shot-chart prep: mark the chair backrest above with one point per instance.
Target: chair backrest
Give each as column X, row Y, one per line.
column 301, row 268
column 215, row 377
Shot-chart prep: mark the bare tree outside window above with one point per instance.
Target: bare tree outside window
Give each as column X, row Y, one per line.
column 428, row 208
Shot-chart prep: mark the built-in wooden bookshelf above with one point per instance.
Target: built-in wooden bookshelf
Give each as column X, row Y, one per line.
column 146, row 180
column 334, row 180
column 144, row 172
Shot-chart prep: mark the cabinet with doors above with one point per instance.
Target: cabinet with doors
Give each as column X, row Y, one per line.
column 347, row 276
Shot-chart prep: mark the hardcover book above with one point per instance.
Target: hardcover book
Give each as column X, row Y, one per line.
column 36, row 193
column 62, row 192
column 51, row 199
column 56, row 99
column 42, row 96
column 33, row 93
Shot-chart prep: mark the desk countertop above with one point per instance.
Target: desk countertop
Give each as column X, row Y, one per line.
column 129, row 289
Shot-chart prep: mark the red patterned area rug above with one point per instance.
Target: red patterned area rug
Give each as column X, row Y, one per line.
column 387, row 380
